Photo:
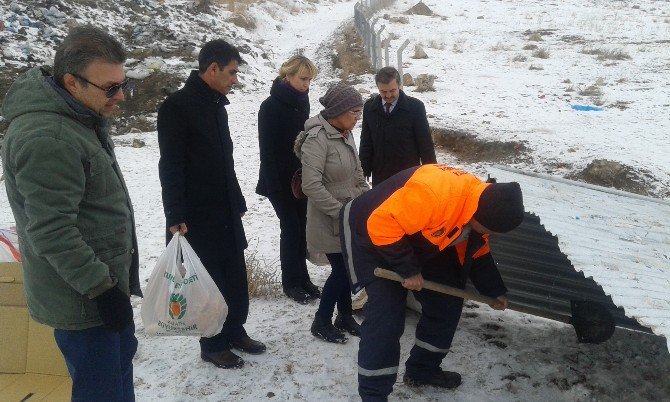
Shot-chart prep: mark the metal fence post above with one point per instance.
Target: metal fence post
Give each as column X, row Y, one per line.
column 378, row 44
column 400, row 49
column 387, row 43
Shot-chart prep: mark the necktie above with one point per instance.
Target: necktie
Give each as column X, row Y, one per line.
column 388, row 107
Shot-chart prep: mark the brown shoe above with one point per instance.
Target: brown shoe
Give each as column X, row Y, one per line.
column 249, row 345
column 224, row 359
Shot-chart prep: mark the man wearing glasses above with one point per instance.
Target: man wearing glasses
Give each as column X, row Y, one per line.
column 73, row 212
column 202, row 198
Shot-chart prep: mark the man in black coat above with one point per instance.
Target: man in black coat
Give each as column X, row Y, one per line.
column 201, row 195
column 395, row 133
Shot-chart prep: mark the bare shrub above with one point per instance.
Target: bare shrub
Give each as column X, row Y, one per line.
column 614, row 54
column 245, row 21
column 570, row 89
column 459, row 45
column 433, row 44
column 541, row 53
column 425, row 83
column 350, row 56
column 535, row 37
column 500, row 46
column 520, row 58
column 607, row 54
column 393, row 36
column 535, row 67
column 591, row 51
column 530, row 46
column 261, row 277
column 591, row 90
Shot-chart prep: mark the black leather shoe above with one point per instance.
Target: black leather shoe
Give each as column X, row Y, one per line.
column 440, row 379
column 312, row 290
column 324, row 329
column 224, row 359
column 249, row 345
column 346, row 322
column 298, row 294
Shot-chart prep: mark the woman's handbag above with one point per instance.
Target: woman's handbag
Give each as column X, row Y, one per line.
column 296, row 185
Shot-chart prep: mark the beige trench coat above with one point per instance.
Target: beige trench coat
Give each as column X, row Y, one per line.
column 331, row 176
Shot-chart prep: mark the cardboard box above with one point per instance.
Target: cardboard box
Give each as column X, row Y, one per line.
column 31, row 365
column 11, row 284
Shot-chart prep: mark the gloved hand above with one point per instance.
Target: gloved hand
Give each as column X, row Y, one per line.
column 115, row 309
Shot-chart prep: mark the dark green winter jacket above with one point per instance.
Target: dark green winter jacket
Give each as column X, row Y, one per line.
column 73, row 213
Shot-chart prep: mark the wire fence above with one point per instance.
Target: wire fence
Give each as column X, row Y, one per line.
column 371, row 31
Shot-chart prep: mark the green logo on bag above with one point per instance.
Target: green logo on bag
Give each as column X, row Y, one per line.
column 177, row 307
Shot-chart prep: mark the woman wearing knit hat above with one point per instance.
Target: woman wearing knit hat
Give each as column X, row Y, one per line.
column 280, row 118
column 331, row 176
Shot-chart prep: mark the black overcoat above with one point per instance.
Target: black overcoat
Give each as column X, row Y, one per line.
column 196, row 168
column 394, row 142
column 280, row 118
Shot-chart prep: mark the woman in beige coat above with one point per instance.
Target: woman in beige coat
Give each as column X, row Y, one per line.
column 331, row 176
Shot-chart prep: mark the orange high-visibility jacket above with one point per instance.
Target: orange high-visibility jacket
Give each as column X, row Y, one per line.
column 417, row 213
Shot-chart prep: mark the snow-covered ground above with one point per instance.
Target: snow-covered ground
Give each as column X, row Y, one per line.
column 502, row 356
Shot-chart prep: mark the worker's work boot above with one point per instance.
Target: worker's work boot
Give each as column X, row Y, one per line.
column 439, row 378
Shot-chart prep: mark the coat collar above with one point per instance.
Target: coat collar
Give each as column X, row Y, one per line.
column 198, row 85
column 285, row 95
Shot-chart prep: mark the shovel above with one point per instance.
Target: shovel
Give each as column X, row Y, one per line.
column 592, row 321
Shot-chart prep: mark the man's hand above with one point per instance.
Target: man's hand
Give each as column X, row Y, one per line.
column 181, row 228
column 413, row 282
column 501, row 303
column 114, row 308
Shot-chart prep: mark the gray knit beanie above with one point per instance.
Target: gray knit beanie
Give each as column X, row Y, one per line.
column 339, row 99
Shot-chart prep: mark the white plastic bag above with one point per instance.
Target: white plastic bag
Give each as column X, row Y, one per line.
column 182, row 299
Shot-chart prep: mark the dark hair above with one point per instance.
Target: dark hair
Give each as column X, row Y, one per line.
column 218, row 51
column 386, row 74
column 82, row 46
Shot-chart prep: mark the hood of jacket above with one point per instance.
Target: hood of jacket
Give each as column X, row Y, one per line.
column 35, row 91
column 313, row 124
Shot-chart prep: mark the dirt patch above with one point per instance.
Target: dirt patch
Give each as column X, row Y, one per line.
column 350, row 56
column 147, row 95
column 468, row 148
column 541, row 32
column 420, row 9
column 573, row 39
column 606, row 173
column 150, row 92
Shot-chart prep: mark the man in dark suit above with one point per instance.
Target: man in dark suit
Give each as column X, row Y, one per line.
column 201, row 195
column 395, row 133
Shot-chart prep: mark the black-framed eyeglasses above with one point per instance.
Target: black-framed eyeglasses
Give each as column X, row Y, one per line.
column 109, row 92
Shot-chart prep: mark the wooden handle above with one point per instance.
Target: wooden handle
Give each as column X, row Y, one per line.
column 437, row 287
column 448, row 290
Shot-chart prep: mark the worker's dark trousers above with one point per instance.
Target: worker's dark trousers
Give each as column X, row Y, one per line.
column 379, row 348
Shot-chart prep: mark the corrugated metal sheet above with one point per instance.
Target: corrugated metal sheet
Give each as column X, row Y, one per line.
column 585, row 242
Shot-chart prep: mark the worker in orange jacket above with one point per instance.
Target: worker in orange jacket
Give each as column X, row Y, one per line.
column 431, row 222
